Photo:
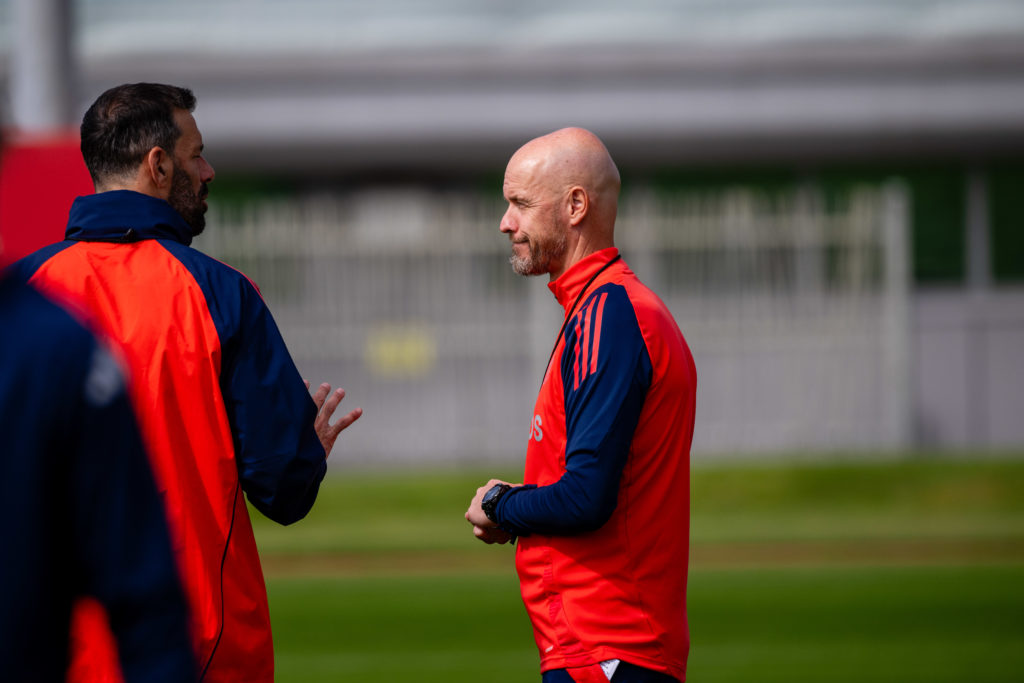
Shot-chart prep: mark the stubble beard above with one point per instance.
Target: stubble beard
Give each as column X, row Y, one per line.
column 541, row 253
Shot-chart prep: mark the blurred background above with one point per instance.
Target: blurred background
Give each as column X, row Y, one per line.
column 828, row 194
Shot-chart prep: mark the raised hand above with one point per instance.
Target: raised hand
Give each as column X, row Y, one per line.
column 326, row 403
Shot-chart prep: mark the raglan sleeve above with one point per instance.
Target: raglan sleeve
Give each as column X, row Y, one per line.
column 606, row 373
column 281, row 461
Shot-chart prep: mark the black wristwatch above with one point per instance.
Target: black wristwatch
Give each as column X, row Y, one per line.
column 491, row 498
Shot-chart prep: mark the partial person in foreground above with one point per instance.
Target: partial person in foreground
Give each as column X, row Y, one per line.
column 221, row 404
column 602, row 518
column 81, row 513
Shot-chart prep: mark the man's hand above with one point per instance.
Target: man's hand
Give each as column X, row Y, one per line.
column 325, row 406
column 492, row 535
column 483, row 528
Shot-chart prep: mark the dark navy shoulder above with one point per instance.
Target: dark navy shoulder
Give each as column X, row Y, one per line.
column 206, row 267
column 612, row 292
column 609, row 307
column 230, row 295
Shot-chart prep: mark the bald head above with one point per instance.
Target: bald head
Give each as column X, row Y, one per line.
column 574, row 157
column 563, row 194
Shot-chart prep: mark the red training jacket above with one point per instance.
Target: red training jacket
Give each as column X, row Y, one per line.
column 606, row 509
column 222, row 409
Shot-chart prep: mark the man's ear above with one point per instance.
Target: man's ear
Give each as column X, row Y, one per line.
column 158, row 166
column 579, row 204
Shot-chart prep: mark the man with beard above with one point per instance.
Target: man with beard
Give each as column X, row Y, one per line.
column 221, row 405
column 602, row 520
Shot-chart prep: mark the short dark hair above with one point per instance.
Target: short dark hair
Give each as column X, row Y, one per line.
column 127, row 121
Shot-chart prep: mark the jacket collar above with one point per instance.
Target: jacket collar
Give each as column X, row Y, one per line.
column 125, row 216
column 568, row 285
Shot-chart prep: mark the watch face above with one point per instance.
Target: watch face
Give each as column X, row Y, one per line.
column 489, row 496
column 490, row 500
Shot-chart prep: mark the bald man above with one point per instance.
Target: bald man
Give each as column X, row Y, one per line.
column 602, row 518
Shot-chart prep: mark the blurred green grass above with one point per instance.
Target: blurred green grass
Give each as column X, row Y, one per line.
column 909, row 569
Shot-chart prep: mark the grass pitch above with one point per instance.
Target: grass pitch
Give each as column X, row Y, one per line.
column 901, row 571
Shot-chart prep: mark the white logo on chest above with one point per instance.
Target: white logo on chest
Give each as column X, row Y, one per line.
column 536, row 433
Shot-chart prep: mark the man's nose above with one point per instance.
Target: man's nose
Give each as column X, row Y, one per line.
column 207, row 172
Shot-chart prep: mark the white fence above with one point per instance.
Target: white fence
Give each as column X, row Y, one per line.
column 796, row 312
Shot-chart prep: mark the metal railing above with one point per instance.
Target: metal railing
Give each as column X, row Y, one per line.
column 796, row 312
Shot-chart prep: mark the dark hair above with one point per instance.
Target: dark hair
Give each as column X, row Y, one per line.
column 127, row 121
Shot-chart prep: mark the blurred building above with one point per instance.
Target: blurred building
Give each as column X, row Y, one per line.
column 827, row 193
